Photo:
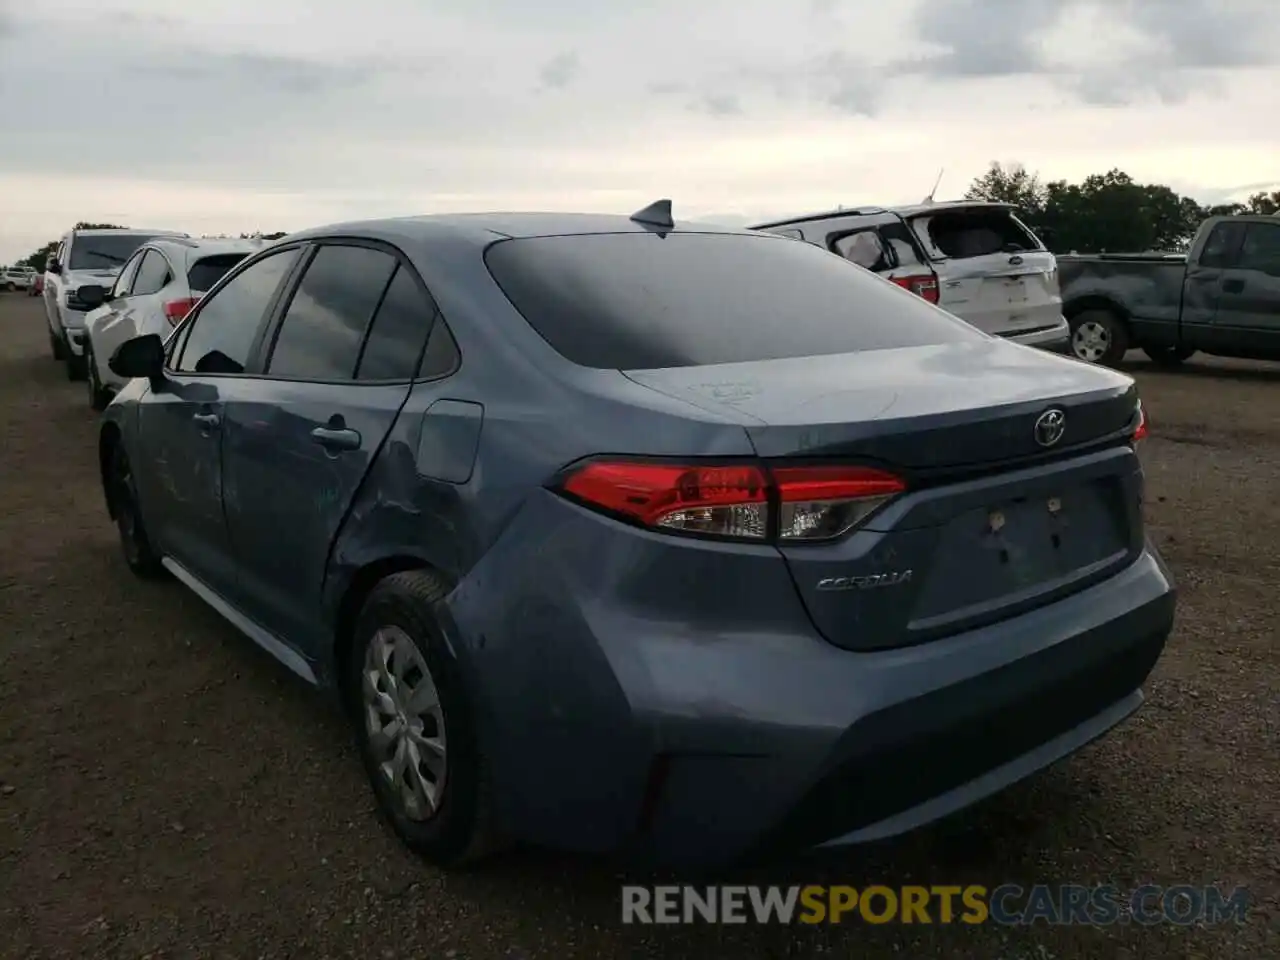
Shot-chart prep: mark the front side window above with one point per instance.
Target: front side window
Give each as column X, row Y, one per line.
column 1261, row 249
column 222, row 333
column 320, row 335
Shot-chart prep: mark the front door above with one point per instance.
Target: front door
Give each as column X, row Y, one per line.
column 182, row 423
column 1248, row 317
column 300, row 441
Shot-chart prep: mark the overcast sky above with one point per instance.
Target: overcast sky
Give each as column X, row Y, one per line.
column 280, row 114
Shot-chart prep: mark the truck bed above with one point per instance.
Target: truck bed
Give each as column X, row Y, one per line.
column 1148, row 286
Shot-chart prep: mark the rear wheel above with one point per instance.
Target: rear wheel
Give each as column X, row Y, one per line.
column 1168, row 356
column 11, row 286
column 414, row 725
column 134, row 543
column 1099, row 336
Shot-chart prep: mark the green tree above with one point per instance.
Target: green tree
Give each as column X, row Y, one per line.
column 1011, row 185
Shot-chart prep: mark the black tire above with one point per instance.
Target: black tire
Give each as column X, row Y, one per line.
column 1169, row 356
column 99, row 396
column 1098, row 336
column 11, row 287
column 75, row 367
column 134, row 542
column 460, row 830
column 58, row 347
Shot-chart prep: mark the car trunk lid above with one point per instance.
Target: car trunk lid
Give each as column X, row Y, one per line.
column 993, row 521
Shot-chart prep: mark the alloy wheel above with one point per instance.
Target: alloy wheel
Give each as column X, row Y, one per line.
column 1090, row 341
column 404, row 722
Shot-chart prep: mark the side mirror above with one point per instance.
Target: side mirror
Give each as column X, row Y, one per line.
column 53, row 266
column 139, row 357
column 92, row 295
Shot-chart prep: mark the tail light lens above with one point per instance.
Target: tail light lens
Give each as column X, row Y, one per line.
column 1140, row 431
column 922, row 285
column 175, row 310
column 786, row 504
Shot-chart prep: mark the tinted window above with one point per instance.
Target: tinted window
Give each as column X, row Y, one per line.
column 1223, row 244
column 399, row 329
column 898, row 239
column 222, row 333
column 153, row 274
column 441, row 356
column 960, row 234
column 639, row 300
column 1261, row 250
column 205, row 272
column 90, row 252
column 319, row 338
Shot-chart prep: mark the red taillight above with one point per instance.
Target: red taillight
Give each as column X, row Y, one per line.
column 742, row 501
column 1140, row 431
column 175, row 310
column 922, row 285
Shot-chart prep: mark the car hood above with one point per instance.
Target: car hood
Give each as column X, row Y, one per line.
column 84, row 278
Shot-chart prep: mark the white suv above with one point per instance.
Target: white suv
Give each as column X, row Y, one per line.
column 16, row 278
column 155, row 289
column 974, row 259
column 84, row 257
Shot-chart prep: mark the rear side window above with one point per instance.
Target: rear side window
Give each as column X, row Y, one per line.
column 634, row 301
column 153, row 274
column 961, row 234
column 205, row 272
column 399, row 330
column 320, row 335
column 1223, row 245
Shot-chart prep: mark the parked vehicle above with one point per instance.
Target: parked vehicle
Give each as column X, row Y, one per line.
column 154, row 290
column 1222, row 298
column 972, row 258
column 83, row 258
column 594, row 547
column 37, row 285
column 16, row 278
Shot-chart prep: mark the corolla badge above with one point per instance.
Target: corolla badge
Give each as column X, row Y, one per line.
column 1049, row 427
column 870, row 582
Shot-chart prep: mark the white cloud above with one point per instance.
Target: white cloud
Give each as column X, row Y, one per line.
column 242, row 114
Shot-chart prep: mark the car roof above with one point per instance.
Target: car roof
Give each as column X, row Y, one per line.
column 485, row 228
column 207, row 246
column 113, row 231
column 906, row 212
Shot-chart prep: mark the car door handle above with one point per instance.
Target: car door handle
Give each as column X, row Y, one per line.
column 1232, row 286
column 333, row 438
column 209, row 421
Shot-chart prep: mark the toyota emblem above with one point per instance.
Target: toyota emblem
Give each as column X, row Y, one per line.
column 1049, row 427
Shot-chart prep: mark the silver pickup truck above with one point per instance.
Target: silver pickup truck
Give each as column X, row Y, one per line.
column 1221, row 298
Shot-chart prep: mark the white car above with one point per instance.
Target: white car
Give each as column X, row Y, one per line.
column 84, row 258
column 16, row 278
column 155, row 289
column 973, row 258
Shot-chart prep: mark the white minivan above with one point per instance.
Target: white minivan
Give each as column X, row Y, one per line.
column 973, row 258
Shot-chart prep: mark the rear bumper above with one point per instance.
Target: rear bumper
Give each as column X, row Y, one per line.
column 1055, row 338
column 688, row 744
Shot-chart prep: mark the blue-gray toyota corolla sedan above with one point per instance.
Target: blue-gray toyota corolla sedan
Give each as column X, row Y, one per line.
column 619, row 535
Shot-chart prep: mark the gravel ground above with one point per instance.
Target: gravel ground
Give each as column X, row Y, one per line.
column 167, row 791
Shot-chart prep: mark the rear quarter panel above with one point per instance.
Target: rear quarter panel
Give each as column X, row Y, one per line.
column 1147, row 292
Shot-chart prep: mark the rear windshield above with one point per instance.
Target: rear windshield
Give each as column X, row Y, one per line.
column 104, row 252
column 634, row 301
column 960, row 234
column 207, row 271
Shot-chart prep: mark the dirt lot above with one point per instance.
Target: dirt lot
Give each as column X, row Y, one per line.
column 168, row 791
